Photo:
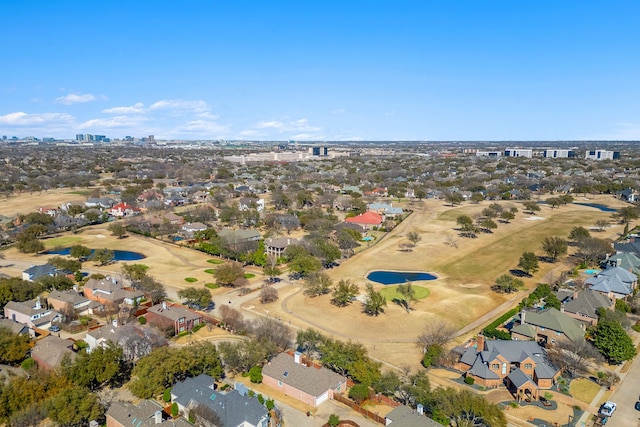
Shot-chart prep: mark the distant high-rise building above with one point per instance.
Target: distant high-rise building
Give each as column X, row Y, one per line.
column 99, row 138
column 4, row 137
column 319, row 151
column 151, row 139
column 79, row 137
column 601, row 155
column 518, row 152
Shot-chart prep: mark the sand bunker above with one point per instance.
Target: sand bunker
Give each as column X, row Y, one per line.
column 534, row 218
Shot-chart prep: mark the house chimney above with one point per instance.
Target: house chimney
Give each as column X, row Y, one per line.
column 38, row 303
column 164, row 305
column 297, row 357
column 114, row 322
column 522, row 322
column 420, row 408
column 480, row 342
column 157, row 417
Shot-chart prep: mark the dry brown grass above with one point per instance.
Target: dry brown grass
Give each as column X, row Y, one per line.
column 584, row 390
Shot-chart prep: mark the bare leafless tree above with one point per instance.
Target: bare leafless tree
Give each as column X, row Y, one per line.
column 573, row 356
column 232, row 318
column 204, row 416
column 436, row 333
column 273, row 330
column 268, row 294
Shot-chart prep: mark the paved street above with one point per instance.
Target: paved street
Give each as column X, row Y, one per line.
column 625, row 397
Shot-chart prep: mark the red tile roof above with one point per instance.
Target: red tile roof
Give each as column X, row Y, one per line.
column 369, row 218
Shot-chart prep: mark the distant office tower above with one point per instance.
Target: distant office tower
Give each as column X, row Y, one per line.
column 4, row 137
column 319, row 151
column 79, row 137
column 601, row 155
column 99, row 138
column 151, row 139
column 518, row 152
column 488, row 153
column 558, row 153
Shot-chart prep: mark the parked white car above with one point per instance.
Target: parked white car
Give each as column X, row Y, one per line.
column 607, row 409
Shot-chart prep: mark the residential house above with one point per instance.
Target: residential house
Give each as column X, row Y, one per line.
column 100, row 202
column 307, row 382
column 110, row 291
column 233, row 408
column 17, row 327
column 182, row 319
column 49, row 351
column 123, row 209
column 584, row 305
column 35, row 272
column 246, row 203
column 48, row 210
column 385, row 209
column 277, row 246
column 546, row 326
column 630, row 195
column 520, row 365
column 404, row 416
column 367, row 220
column 614, row 282
column 172, row 218
column 626, row 260
column 63, row 300
column 32, row 313
column 631, row 245
column 240, row 240
column 148, row 413
column 136, row 340
column 191, row 228
column 377, row 192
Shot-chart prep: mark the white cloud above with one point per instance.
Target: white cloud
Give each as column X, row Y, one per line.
column 270, row 125
column 307, row 136
column 113, row 122
column 300, row 125
column 338, row 112
column 75, row 98
column 133, row 109
column 23, row 119
column 180, row 105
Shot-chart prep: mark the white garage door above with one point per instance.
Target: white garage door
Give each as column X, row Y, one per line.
column 322, row 398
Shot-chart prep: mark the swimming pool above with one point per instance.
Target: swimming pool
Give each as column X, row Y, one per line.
column 592, row 271
column 396, row 277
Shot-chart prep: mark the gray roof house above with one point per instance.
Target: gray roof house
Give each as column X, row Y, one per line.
column 37, row 271
column 626, row 260
column 148, row 413
column 233, row 408
column 231, row 235
column 584, row 305
column 16, row 327
column 49, row 351
column 546, row 326
column 32, row 313
column 614, row 282
column 404, row 416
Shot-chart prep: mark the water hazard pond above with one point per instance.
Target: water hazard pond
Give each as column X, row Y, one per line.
column 117, row 255
column 397, row 277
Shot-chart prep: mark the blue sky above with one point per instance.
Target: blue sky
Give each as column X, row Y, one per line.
column 321, row 70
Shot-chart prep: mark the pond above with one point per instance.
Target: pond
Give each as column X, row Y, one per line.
column 117, row 255
column 398, row 277
column 603, row 208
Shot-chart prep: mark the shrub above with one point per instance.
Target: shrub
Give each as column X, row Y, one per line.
column 174, row 409
column 270, row 404
column 142, row 320
column 334, row 420
column 261, row 399
column 28, row 363
column 166, row 396
column 469, row 380
column 432, row 355
column 622, row 306
column 255, row 374
column 251, row 393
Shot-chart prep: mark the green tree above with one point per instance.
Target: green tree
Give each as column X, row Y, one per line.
column 344, row 292
column 577, row 233
column 532, row 207
column 102, row 256
column 79, row 252
column 135, row 272
column 554, row 202
column 466, row 408
column 408, row 294
column 613, row 342
column 304, row 265
column 488, row 225
column 477, row 197
column 554, row 247
column 117, row 229
column 74, row 406
column 229, row 274
column 528, row 263
column 507, row 283
column 592, row 249
column 200, row 296
column 454, row 198
column 627, row 213
column 374, row 302
column 255, row 374
column 13, row 347
column 334, row 420
column 65, row 264
column 359, row 393
column 317, row 283
column 103, row 366
column 507, row 216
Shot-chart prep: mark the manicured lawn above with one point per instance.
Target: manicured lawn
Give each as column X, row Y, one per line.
column 64, row 241
column 191, row 279
column 215, row 261
column 583, row 389
column 210, row 270
column 249, row 275
column 390, row 292
column 211, row 285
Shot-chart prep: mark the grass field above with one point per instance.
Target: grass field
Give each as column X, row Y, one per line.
column 583, row 389
column 62, row 242
column 190, row 279
column 391, row 292
column 215, row 261
column 210, row 271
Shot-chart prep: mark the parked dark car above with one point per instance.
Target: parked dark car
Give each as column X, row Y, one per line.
column 637, row 406
column 54, row 328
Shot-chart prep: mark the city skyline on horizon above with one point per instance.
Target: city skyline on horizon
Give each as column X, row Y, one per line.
column 362, row 71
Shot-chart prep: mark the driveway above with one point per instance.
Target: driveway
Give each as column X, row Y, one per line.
column 625, row 396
